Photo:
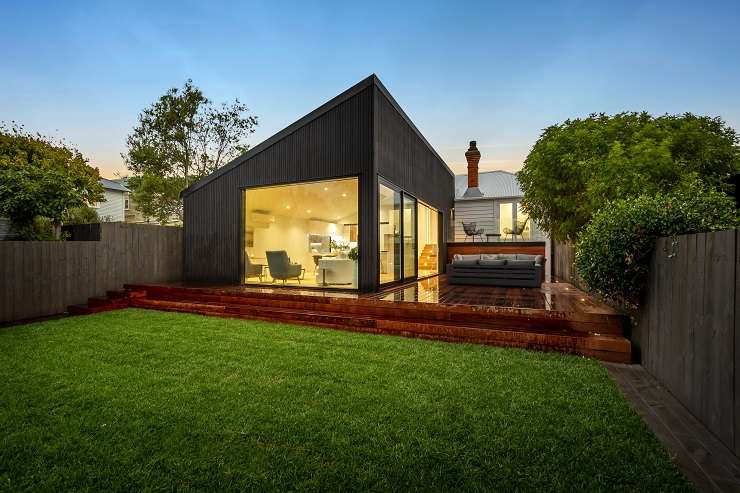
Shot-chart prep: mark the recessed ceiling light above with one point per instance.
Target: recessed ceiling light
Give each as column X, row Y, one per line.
column 344, row 195
column 287, row 207
column 326, row 189
column 308, row 211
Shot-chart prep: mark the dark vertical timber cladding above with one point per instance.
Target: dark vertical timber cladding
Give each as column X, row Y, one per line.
column 338, row 143
column 404, row 159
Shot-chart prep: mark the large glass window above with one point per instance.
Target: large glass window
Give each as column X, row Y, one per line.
column 428, row 233
column 389, row 214
column 506, row 219
column 302, row 234
column 523, row 222
column 409, row 236
column 515, row 224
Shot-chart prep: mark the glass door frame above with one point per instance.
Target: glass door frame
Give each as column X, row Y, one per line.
column 396, row 189
column 440, row 234
column 243, row 230
column 397, row 256
column 403, row 279
column 415, row 226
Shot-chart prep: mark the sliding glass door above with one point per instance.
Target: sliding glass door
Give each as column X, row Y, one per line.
column 408, row 236
column 389, row 234
column 428, row 233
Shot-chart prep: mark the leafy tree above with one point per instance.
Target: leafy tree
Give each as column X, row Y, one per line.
column 81, row 215
column 179, row 139
column 613, row 251
column 158, row 197
column 577, row 167
column 40, row 178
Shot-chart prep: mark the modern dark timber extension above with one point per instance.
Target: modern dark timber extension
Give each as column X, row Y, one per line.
column 361, row 133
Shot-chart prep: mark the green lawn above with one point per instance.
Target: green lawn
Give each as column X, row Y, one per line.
column 136, row 399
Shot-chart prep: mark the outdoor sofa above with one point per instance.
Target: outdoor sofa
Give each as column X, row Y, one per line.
column 517, row 270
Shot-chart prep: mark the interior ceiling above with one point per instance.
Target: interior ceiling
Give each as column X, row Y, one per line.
column 329, row 201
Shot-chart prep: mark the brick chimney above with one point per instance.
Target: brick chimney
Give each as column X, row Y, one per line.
column 473, row 157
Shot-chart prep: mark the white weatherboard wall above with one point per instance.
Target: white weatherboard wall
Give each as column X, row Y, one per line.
column 112, row 209
column 481, row 212
column 485, row 213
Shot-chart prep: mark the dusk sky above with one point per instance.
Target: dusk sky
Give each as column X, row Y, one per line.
column 496, row 72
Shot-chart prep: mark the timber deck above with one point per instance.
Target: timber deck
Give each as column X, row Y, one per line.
column 555, row 317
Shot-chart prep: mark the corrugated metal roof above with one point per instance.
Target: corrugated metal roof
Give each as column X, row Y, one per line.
column 492, row 184
column 112, row 185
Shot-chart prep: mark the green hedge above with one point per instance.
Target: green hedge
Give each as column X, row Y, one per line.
column 613, row 251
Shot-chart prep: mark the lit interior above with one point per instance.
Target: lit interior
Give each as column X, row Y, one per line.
column 315, row 224
column 389, row 214
column 420, row 246
column 428, row 233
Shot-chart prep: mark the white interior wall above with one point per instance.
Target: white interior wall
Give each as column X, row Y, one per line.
column 291, row 234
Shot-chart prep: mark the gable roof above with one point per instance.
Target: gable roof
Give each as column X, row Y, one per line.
column 329, row 105
column 493, row 184
column 113, row 185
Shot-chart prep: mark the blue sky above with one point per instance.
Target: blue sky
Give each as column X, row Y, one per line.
column 497, row 72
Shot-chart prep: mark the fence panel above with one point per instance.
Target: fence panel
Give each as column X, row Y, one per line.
column 687, row 329
column 41, row 278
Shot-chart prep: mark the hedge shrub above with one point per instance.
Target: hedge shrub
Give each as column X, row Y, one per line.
column 614, row 249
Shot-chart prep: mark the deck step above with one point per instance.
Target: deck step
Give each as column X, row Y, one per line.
column 117, row 293
column 97, row 301
column 524, row 319
column 611, row 348
column 84, row 309
column 303, row 316
column 343, row 312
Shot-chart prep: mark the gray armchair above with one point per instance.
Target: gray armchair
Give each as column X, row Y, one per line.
column 252, row 270
column 516, row 230
column 281, row 267
column 472, row 229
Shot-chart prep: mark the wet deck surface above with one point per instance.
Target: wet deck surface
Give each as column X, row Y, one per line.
column 560, row 297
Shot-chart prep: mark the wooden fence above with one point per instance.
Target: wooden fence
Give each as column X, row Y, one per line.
column 41, row 278
column 688, row 327
column 563, row 259
column 83, row 232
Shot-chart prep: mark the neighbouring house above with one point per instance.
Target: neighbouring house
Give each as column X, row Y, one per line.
column 115, row 204
column 351, row 196
column 130, row 214
column 492, row 201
